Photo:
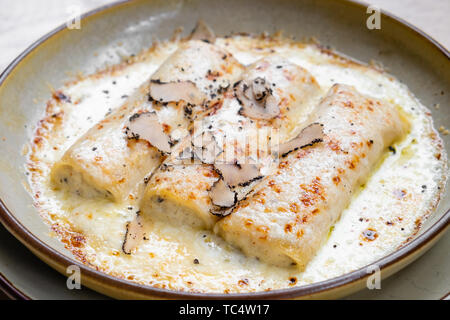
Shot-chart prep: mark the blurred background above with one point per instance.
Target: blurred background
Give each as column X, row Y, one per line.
column 24, row 21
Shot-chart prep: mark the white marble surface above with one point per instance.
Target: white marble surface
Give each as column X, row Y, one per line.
column 430, row 16
column 24, row 21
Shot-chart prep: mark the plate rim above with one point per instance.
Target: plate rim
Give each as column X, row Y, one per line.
column 35, row 245
column 10, row 290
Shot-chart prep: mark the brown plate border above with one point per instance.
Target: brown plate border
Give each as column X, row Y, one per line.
column 10, row 290
column 35, row 244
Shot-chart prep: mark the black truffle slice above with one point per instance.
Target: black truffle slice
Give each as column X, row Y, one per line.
column 309, row 136
column 202, row 32
column 257, row 99
column 146, row 126
column 134, row 234
column 175, row 91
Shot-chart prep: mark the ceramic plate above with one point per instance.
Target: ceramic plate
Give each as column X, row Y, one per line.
column 416, row 59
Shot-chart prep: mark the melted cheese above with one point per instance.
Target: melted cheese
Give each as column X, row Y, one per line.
column 387, row 210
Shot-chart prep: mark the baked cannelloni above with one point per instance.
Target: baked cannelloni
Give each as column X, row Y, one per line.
column 110, row 159
column 266, row 106
column 289, row 214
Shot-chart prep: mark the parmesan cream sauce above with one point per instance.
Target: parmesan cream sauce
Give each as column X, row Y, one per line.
column 391, row 205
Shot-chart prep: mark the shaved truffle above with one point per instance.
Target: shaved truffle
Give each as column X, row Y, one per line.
column 221, row 195
column 175, row 91
column 146, row 126
column 133, row 235
column 233, row 178
column 259, row 88
column 202, row 32
column 221, row 211
column 238, row 174
column 307, row 137
column 257, row 99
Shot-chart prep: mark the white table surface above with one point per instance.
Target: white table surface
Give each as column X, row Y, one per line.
column 24, row 21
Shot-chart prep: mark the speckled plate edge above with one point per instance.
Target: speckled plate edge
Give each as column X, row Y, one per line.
column 118, row 288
